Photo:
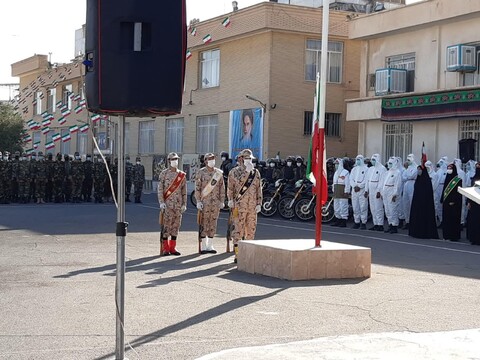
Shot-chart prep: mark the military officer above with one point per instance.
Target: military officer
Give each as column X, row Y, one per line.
column 172, row 198
column 138, row 179
column 77, row 175
column 210, row 196
column 244, row 192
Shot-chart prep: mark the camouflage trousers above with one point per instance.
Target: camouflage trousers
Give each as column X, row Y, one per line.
column 57, row 190
column 98, row 190
column 40, row 185
column 244, row 224
column 24, row 190
column 77, row 188
column 172, row 219
column 138, row 188
column 209, row 220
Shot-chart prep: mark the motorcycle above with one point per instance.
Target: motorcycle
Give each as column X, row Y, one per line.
column 270, row 200
column 286, row 203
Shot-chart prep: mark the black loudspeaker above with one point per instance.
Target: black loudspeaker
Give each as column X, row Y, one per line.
column 466, row 148
column 135, row 57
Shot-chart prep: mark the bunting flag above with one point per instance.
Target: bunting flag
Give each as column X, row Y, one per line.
column 55, row 83
column 226, row 22
column 84, row 128
column 62, row 120
column 27, row 138
column 63, row 107
column 77, row 97
column 32, row 125
column 56, row 137
column 95, row 118
column 44, row 114
column 29, row 151
column 36, row 144
column 193, row 32
column 29, row 122
column 424, row 155
column 46, row 122
column 65, row 112
column 189, row 54
column 34, row 102
column 73, row 129
column 41, row 96
column 59, row 103
column 318, row 139
column 66, row 138
column 45, row 130
column 71, row 96
column 83, row 102
column 207, row 39
column 78, row 109
column 49, row 145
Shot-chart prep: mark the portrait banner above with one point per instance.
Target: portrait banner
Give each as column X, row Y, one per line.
column 246, row 132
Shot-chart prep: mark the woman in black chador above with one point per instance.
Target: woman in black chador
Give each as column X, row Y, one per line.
column 422, row 223
column 452, row 205
column 473, row 217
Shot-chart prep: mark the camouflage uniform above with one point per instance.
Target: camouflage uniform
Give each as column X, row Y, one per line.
column 32, row 166
column 3, row 181
column 138, row 180
column 114, row 174
column 99, row 174
column 23, row 179
column 88, row 180
column 78, row 175
column 50, row 173
column 128, row 178
column 14, row 173
column 68, row 183
column 58, row 179
column 39, row 169
column 211, row 203
column 244, row 210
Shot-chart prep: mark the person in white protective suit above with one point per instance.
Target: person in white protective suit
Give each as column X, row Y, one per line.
column 463, row 176
column 375, row 177
column 341, row 190
column 441, row 175
column 434, row 178
column 409, row 176
column 391, row 194
column 358, row 182
column 471, row 164
column 401, row 216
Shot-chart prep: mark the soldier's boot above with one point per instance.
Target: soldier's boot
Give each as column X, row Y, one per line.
column 203, row 245
column 210, row 248
column 38, row 201
column 387, row 228
column 166, row 248
column 137, row 200
column 173, row 246
column 343, row 223
column 235, row 250
column 336, row 222
column 393, row 230
column 42, row 201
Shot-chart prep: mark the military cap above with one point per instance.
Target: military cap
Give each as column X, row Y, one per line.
column 172, row 156
column 209, row 156
column 245, row 153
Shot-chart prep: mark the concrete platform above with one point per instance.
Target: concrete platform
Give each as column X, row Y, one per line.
column 299, row 259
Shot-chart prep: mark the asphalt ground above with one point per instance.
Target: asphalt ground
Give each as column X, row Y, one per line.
column 57, row 281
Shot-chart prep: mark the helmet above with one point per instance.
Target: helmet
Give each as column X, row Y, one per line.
column 49, row 156
column 40, row 153
column 138, row 159
column 127, row 157
column 66, row 157
column 59, row 156
column 299, row 159
column 77, row 154
column 225, row 155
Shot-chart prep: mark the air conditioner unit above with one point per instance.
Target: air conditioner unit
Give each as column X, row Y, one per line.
column 390, row 81
column 461, row 58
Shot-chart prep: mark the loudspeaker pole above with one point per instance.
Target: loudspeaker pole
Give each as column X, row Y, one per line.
column 121, row 234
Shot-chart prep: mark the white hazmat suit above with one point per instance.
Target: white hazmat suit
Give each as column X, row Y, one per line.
column 409, row 176
column 358, row 182
column 391, row 193
column 375, row 178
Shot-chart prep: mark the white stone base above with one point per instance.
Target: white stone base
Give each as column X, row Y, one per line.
column 299, row 259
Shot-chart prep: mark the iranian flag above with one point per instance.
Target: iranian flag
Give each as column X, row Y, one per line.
column 95, row 118
column 317, row 149
column 83, row 102
column 226, row 21
column 49, row 145
column 188, row 55
column 36, row 145
column 424, row 155
column 45, row 130
column 46, row 122
column 73, row 129
column 62, row 120
column 59, row 103
column 84, row 128
column 194, row 31
column 56, row 137
column 77, row 97
column 29, row 151
column 78, row 109
column 66, row 138
column 207, row 38
column 65, row 112
column 27, row 138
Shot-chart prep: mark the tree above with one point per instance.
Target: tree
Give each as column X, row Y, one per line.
column 11, row 126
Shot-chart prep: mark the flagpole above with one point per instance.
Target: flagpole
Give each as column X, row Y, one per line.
column 321, row 116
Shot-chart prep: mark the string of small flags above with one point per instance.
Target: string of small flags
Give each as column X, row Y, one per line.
column 208, row 37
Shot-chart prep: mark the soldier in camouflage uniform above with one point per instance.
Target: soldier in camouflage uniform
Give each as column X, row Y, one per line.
column 210, row 196
column 3, row 180
column 88, row 180
column 14, row 173
column 8, row 177
column 39, row 169
column 23, row 176
column 32, row 161
column 172, row 197
column 128, row 178
column 244, row 198
column 107, row 189
column 68, row 182
column 114, row 174
column 78, row 175
column 58, row 180
column 50, row 173
column 99, row 174
column 138, row 179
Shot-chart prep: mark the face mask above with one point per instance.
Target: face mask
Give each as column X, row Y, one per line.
column 409, row 162
column 336, row 166
column 272, row 165
column 5, row 158
column 373, row 162
column 359, row 162
column 390, row 165
column 174, row 163
column 211, row 163
column 138, row 162
column 34, row 158
column 450, row 171
column 224, row 158
column 419, row 172
column 299, row 164
column 289, row 163
column 40, row 158
column 248, row 164
column 77, row 157
column 89, row 159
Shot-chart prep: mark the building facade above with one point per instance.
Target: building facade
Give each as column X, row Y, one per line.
column 419, row 79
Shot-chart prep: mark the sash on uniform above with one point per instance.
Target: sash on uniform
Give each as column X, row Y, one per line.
column 211, row 185
column 174, row 185
column 451, row 185
column 246, row 185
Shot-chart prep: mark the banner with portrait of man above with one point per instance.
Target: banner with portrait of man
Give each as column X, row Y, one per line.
column 246, row 132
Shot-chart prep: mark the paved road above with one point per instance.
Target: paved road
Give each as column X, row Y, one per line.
column 57, row 290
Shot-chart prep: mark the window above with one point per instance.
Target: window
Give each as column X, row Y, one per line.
column 398, row 139
column 332, row 124
column 174, row 135
column 82, row 143
column 207, row 130
column 404, row 61
column 65, row 146
column 48, row 138
column 67, row 90
column 51, row 100
column 470, row 129
column 209, row 68
column 471, row 78
column 334, row 57
column 37, row 137
column 146, row 136
column 38, row 97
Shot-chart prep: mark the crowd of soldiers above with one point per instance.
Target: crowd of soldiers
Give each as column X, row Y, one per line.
column 34, row 177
